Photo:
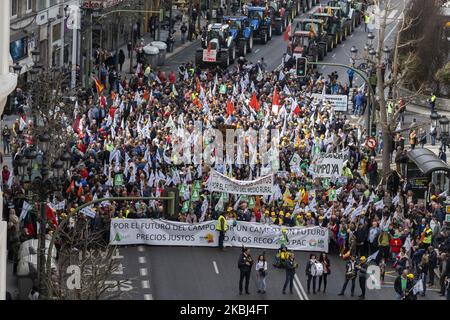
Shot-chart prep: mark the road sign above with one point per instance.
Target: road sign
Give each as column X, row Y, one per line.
column 371, row 143
column 447, row 218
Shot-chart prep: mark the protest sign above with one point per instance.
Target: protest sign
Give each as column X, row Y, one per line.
column 325, row 165
column 220, row 183
column 249, row 234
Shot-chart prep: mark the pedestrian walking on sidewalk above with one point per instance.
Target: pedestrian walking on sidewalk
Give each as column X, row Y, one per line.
column 350, row 74
column 6, row 135
column 291, row 265
column 183, row 30
column 245, row 264
column 261, row 269
column 121, row 59
column 129, row 48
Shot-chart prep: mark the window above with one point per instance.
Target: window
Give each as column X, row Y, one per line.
column 41, row 5
column 29, row 6
column 14, row 7
column 56, row 32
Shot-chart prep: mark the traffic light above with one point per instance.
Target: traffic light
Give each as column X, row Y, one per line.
column 302, row 64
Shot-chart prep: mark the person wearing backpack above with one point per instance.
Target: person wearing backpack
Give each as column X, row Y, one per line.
column 312, row 271
column 323, row 259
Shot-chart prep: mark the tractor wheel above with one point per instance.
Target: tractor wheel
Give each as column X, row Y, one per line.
column 269, row 32
column 250, row 43
column 263, row 37
column 199, row 59
column 242, row 48
column 225, row 60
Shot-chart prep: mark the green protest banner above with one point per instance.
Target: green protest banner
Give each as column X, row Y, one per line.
column 118, row 179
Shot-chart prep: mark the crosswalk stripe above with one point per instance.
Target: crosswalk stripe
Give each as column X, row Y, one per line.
column 298, row 291
column 148, row 296
column 141, row 259
column 145, row 284
column 392, row 14
column 143, row 271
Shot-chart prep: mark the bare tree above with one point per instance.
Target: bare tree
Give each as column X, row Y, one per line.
column 85, row 265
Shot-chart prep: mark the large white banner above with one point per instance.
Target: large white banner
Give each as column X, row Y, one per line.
column 327, row 165
column 339, row 102
column 262, row 186
column 254, row 235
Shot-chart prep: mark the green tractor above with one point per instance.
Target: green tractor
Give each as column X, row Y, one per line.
column 318, row 32
column 331, row 24
column 346, row 11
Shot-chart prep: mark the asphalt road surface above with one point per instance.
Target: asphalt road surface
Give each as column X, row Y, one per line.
column 197, row 273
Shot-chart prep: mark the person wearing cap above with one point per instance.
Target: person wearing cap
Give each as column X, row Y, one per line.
column 403, row 286
column 362, row 271
column 222, row 228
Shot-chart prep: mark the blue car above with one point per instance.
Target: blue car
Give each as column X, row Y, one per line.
column 241, row 33
column 260, row 23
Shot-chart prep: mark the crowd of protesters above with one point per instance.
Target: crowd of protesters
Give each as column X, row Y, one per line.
column 126, row 131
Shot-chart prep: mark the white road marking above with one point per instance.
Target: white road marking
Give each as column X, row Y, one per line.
column 141, row 248
column 142, row 260
column 392, row 14
column 143, row 271
column 334, row 55
column 298, row 291
column 148, row 296
column 392, row 30
column 215, row 267
column 323, row 67
column 301, row 287
column 343, row 45
column 257, row 50
column 351, row 36
column 145, row 284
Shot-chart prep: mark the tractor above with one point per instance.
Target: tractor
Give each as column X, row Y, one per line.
column 331, row 24
column 261, row 23
column 346, row 21
column 316, row 27
column 303, row 45
column 280, row 19
column 218, row 46
column 348, row 11
column 241, row 32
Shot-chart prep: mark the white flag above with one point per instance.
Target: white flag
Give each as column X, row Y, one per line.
column 25, row 208
column 204, row 209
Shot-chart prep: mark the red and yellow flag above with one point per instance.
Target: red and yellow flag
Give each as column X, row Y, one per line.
column 98, row 85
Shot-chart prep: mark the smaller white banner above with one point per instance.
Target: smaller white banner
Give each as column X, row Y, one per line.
column 338, row 101
column 262, row 186
column 209, row 56
column 327, row 165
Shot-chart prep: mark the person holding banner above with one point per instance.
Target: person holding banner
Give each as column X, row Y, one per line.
column 222, row 227
column 245, row 264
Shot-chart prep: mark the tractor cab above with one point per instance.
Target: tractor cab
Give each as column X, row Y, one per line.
column 236, row 24
column 315, row 26
column 217, row 36
column 298, row 46
column 260, row 21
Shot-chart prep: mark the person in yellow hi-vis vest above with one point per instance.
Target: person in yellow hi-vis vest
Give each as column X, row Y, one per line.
column 222, row 227
column 366, row 22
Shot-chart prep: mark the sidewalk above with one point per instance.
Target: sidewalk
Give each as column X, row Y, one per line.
column 177, row 46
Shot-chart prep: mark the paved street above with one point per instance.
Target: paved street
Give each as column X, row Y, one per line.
column 206, row 273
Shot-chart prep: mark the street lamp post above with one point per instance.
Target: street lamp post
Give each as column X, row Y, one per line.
column 444, row 125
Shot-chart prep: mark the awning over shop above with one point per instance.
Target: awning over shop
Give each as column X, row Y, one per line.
column 427, row 161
